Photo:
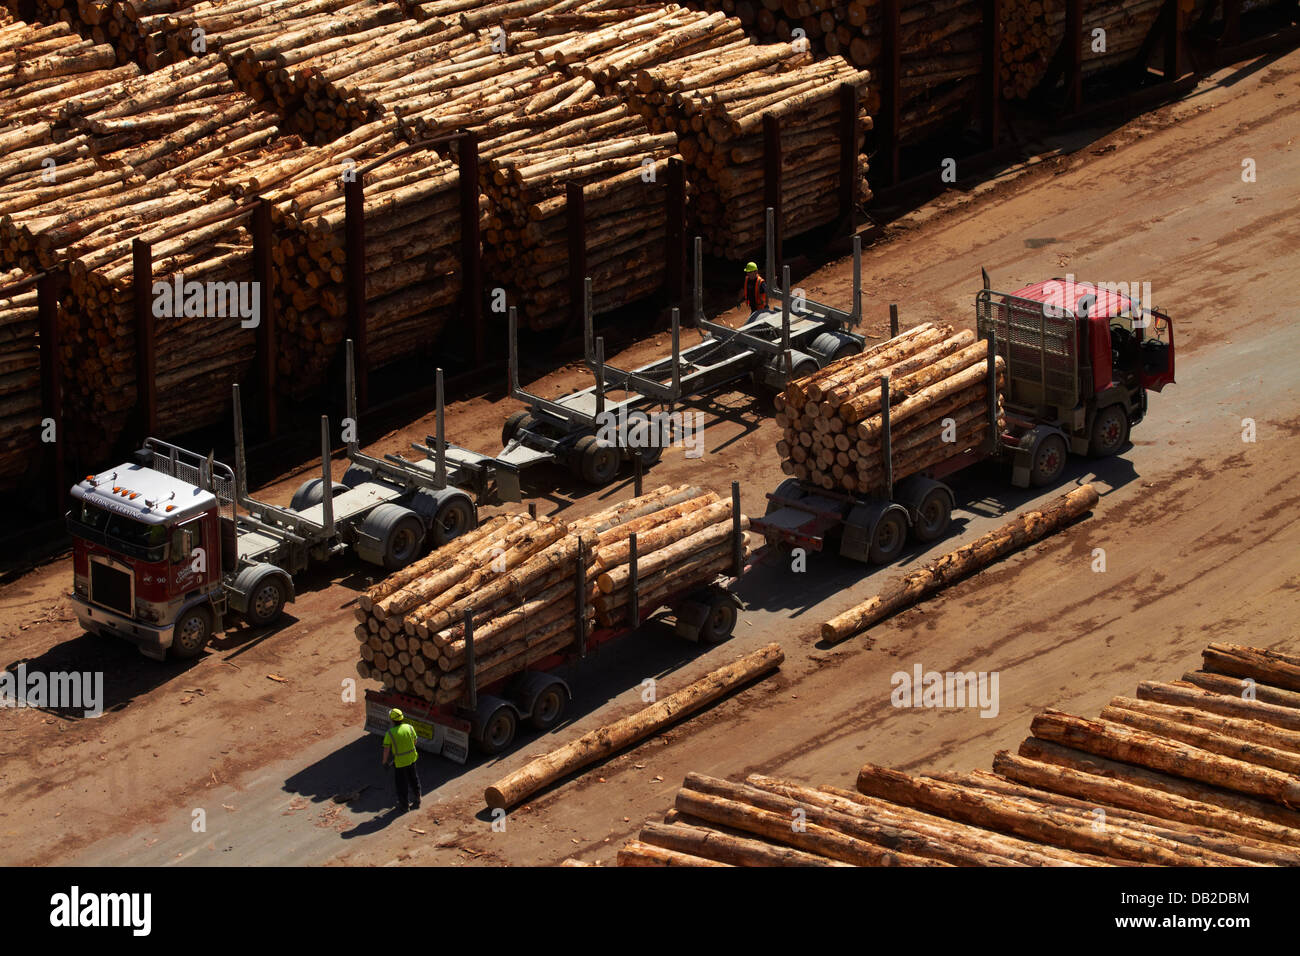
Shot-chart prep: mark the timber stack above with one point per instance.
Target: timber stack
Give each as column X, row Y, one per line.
column 20, row 380
column 518, row 578
column 624, row 177
column 832, row 420
column 716, row 103
column 412, row 248
column 41, row 66
column 1199, row 772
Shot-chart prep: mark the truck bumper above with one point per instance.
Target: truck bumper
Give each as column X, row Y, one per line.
column 152, row 641
column 435, row 731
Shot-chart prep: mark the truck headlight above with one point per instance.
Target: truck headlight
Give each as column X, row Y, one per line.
column 79, row 588
column 145, row 612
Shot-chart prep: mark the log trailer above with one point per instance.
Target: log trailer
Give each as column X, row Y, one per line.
column 489, row 716
column 1078, row 366
column 162, row 554
column 774, row 345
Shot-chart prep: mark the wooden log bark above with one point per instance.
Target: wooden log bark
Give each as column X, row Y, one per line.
column 1211, row 741
column 726, row 848
column 1107, row 739
column 636, row 853
column 1045, row 751
column 1184, row 694
column 607, row 740
column 1263, row 666
column 1244, row 689
column 1024, row 529
column 1243, row 728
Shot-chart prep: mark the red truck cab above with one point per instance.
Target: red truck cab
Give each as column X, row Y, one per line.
column 146, row 549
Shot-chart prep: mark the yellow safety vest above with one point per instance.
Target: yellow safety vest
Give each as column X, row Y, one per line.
column 401, row 740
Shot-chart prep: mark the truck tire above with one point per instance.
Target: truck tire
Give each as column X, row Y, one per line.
column 498, row 730
column 933, row 515
column 549, row 706
column 1109, row 431
column 192, row 632
column 454, row 517
column 513, row 423
column 830, row 347
column 400, row 533
column 1049, row 461
column 599, row 462
column 888, row 538
column 789, row 489
column 721, row 622
column 309, row 494
column 266, row 602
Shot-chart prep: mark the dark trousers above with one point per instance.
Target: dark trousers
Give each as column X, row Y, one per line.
column 408, row 786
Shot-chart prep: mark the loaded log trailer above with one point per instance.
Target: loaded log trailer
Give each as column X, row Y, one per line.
column 792, row 337
column 489, row 715
column 163, row 555
column 1077, row 363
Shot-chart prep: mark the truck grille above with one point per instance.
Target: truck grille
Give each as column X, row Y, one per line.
column 111, row 588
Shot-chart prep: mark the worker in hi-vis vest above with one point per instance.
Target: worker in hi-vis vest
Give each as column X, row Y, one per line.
column 400, row 742
column 755, row 290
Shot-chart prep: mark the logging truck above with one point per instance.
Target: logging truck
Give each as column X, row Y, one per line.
column 489, row 715
column 162, row 553
column 774, row 345
column 1075, row 361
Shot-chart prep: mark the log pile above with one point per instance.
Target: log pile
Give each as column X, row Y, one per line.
column 624, row 175
column 1179, row 775
column 1034, row 31
column 412, row 248
column 20, row 373
column 42, row 66
column 832, row 422
column 518, row 576
column 715, row 104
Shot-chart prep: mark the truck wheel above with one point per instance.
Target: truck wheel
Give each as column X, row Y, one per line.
column 309, row 493
column 1109, row 431
column 548, row 708
column 454, row 518
column 599, row 462
column 933, row 515
column 1049, row 461
column 192, row 632
column 498, row 730
column 648, row 455
column 516, row 421
column 720, row 623
column 266, row 602
column 888, row 538
column 789, row 489
column 400, row 534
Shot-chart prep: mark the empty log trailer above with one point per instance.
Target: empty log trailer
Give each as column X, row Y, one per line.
column 163, row 553
column 593, row 431
column 1075, row 362
column 488, row 714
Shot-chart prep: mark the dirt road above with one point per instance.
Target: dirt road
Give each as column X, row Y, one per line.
column 1198, row 528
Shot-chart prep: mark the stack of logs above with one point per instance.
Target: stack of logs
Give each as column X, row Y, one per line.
column 624, row 176
column 20, row 374
column 716, row 103
column 1200, row 772
column 1034, row 31
column 832, row 422
column 412, row 248
column 518, row 576
column 41, row 66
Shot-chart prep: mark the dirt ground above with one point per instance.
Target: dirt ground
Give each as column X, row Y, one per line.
column 1198, row 528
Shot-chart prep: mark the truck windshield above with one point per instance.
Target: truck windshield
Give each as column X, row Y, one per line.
column 135, row 538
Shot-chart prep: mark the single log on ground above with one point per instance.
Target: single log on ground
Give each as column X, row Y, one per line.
column 611, row 738
column 1024, row 529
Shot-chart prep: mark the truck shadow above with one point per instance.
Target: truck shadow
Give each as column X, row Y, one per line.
column 774, row 584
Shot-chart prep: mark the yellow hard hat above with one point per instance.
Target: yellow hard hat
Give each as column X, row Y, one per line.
column 395, row 715
column 751, row 267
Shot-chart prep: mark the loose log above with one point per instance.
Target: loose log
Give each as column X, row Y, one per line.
column 600, row 743
column 1024, row 529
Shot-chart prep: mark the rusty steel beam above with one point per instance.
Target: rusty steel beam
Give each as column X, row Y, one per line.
column 48, row 290
column 146, row 335
column 267, row 352
column 772, row 185
column 471, row 263
column 676, row 233
column 575, row 221
column 848, row 159
column 991, row 74
column 354, row 270
column 891, row 96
